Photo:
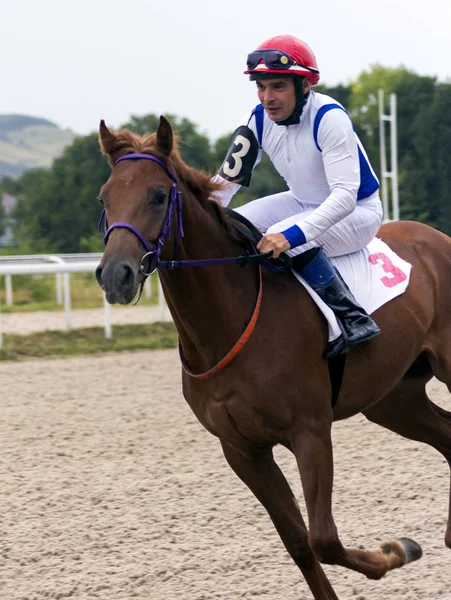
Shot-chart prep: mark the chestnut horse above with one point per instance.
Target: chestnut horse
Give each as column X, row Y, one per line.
column 277, row 389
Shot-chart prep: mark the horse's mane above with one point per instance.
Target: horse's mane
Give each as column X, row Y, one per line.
column 198, row 182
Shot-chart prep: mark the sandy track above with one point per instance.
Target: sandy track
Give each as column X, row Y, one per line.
column 112, row 490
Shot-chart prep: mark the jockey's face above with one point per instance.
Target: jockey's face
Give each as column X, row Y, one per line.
column 278, row 97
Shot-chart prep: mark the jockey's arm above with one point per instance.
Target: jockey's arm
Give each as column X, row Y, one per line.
column 340, row 156
column 227, row 191
column 242, row 156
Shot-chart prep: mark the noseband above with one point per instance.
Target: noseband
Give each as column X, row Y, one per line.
column 175, row 203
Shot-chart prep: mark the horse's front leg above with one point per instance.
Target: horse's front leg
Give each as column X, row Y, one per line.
column 259, row 471
column 313, row 450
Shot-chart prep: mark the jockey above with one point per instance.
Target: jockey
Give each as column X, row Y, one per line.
column 332, row 206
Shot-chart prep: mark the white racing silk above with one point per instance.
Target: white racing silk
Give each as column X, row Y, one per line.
column 321, row 160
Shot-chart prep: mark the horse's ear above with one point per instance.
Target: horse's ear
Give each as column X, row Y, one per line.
column 165, row 136
column 106, row 138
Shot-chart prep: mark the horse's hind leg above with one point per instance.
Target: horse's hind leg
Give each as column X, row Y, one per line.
column 408, row 411
column 261, row 474
column 312, row 447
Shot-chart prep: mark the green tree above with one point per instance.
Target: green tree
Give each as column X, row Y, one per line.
column 58, row 208
column 2, row 218
column 11, row 186
column 195, row 147
column 340, row 93
column 427, row 185
column 30, row 220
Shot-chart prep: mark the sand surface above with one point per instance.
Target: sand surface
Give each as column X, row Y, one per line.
column 112, row 490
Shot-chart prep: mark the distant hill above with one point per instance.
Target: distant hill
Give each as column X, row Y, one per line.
column 29, row 143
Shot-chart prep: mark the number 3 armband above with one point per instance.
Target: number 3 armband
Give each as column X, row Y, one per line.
column 241, row 156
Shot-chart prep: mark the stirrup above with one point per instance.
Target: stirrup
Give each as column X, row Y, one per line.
column 372, row 334
column 336, row 347
column 342, row 344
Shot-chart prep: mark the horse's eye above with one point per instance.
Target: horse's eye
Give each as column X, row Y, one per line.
column 160, row 197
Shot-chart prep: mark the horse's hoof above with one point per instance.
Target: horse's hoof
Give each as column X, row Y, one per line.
column 412, row 549
column 405, row 549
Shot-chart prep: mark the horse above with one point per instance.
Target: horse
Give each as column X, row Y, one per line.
column 252, row 342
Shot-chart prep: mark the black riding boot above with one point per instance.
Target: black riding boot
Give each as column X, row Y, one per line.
column 356, row 325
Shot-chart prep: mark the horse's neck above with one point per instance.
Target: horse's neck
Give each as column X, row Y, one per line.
column 210, row 305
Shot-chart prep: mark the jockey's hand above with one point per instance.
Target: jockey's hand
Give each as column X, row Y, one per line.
column 276, row 242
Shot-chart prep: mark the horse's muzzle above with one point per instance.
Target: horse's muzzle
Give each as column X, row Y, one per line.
column 119, row 281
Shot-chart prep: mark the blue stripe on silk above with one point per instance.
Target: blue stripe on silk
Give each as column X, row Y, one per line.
column 319, row 115
column 368, row 182
column 295, row 236
column 259, row 116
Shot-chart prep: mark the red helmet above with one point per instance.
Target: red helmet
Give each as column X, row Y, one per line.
column 283, row 54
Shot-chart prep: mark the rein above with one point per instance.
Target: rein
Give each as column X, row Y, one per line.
column 154, row 262
column 237, row 347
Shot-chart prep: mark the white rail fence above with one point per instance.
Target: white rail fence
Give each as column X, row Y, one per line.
column 62, row 266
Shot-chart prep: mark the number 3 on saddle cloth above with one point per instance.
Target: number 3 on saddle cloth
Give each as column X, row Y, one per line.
column 375, row 275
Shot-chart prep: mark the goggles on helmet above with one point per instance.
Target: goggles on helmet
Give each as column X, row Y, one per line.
column 274, row 59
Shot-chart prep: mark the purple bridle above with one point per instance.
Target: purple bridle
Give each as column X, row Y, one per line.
column 175, row 202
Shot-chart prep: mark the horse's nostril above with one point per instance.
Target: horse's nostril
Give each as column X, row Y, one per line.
column 99, row 271
column 127, row 275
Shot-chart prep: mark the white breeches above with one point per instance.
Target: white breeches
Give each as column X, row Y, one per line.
column 273, row 214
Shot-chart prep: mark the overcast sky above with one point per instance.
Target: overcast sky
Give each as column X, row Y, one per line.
column 80, row 61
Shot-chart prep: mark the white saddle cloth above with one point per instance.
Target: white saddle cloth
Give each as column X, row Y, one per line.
column 375, row 275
